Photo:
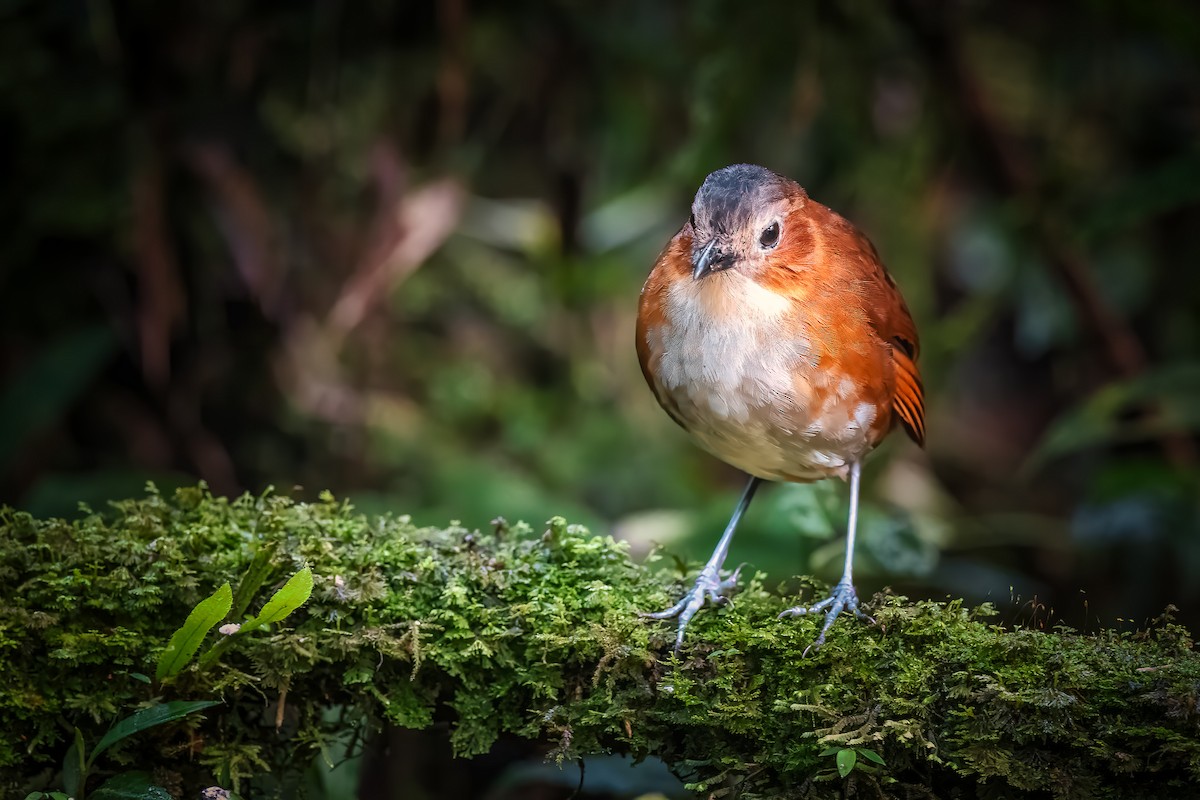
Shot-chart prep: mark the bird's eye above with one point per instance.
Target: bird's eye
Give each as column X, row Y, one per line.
column 770, row 236
column 692, row 219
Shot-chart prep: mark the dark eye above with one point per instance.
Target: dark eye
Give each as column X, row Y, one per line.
column 692, row 219
column 770, row 235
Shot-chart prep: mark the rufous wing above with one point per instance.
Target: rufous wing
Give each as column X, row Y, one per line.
column 909, row 400
column 893, row 323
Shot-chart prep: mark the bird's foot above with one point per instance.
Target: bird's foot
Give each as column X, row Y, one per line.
column 842, row 598
column 709, row 587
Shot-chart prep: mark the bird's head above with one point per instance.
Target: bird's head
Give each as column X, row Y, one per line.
column 740, row 218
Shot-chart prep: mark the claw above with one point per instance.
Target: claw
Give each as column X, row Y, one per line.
column 842, row 598
column 708, row 587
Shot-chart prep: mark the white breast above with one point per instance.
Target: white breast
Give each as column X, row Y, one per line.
column 746, row 392
column 723, row 349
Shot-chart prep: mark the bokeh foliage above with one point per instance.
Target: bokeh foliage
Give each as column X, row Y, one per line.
column 393, row 249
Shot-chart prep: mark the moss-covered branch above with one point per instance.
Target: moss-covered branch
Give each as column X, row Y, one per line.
column 536, row 632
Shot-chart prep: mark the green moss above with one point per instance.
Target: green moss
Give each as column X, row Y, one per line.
column 536, row 631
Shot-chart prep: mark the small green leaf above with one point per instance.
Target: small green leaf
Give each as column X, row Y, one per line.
column 59, row 796
column 74, row 769
column 35, row 796
column 130, row 786
column 871, row 755
column 138, row 676
column 148, row 718
column 252, row 579
column 294, row 594
column 186, row 641
column 846, row 759
column 828, row 751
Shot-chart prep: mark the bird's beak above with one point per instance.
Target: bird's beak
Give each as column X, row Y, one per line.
column 706, row 262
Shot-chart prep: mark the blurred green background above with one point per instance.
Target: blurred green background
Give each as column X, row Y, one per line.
column 394, row 249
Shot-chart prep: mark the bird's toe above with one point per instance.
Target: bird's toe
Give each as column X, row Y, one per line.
column 709, row 588
column 842, row 598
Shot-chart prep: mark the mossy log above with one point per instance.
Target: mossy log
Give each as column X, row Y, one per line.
column 535, row 631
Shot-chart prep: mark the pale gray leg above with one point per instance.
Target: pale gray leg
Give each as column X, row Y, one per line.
column 843, row 597
column 709, row 586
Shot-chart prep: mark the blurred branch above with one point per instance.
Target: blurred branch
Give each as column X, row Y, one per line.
column 244, row 219
column 406, row 231
column 452, row 85
column 309, row 369
column 161, row 303
column 1012, row 173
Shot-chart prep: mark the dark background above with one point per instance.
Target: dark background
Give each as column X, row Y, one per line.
column 393, row 249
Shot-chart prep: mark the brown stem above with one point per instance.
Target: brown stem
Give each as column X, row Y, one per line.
column 161, row 303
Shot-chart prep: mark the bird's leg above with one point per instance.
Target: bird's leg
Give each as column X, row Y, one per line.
column 709, row 585
column 843, row 597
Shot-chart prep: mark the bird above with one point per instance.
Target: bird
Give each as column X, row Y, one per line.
column 770, row 330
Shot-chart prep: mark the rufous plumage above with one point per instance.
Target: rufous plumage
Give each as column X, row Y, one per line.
column 770, row 331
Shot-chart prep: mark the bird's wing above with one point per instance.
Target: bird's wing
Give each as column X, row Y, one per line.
column 889, row 316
